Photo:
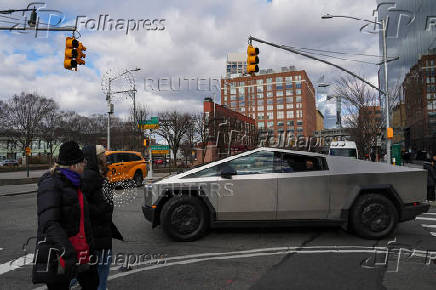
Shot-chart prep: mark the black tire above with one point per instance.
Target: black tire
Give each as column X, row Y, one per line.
column 373, row 216
column 138, row 178
column 184, row 218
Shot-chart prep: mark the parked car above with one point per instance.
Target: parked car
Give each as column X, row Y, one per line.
column 10, row 162
column 270, row 187
column 126, row 165
column 158, row 161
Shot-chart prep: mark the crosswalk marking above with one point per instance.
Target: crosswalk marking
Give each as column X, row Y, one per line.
column 425, row 218
column 430, row 222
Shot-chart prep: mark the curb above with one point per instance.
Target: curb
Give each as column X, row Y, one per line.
column 19, row 181
column 17, row 193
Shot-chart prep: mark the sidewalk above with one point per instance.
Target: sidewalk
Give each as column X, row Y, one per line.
column 20, row 177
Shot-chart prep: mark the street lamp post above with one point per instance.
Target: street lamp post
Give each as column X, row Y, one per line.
column 383, row 25
column 111, row 106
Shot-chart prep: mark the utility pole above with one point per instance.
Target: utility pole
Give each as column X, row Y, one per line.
column 385, row 60
column 110, row 110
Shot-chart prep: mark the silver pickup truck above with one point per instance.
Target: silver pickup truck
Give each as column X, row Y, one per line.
column 278, row 187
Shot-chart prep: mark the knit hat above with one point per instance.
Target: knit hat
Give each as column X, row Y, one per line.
column 99, row 149
column 70, row 154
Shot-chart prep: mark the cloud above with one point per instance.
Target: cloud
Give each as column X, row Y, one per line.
column 195, row 42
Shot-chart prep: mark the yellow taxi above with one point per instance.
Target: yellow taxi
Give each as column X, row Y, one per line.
column 126, row 165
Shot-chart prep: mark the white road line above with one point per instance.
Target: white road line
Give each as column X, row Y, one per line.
column 425, row 218
column 1, row 249
column 296, row 251
column 433, row 234
column 432, row 213
column 17, row 263
column 429, row 226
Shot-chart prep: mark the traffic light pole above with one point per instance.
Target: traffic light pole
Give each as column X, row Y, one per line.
column 287, row 48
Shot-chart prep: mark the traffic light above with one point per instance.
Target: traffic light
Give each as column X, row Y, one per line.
column 252, row 59
column 73, row 53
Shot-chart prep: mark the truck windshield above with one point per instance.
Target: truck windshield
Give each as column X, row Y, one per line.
column 347, row 152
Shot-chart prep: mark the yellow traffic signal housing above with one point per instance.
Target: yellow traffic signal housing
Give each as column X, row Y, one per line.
column 252, row 59
column 73, row 53
column 390, row 133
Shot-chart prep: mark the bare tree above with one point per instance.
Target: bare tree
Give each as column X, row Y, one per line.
column 24, row 115
column 173, row 127
column 50, row 130
column 363, row 115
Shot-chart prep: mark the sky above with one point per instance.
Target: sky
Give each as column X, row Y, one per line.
column 192, row 40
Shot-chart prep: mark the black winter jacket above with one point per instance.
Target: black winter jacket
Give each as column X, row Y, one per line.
column 59, row 213
column 100, row 206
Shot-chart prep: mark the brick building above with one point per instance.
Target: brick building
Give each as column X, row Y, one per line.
column 420, row 100
column 227, row 132
column 279, row 102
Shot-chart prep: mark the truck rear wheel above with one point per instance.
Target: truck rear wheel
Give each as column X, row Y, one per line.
column 373, row 216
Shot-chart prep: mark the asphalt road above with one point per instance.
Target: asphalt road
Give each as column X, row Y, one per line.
column 289, row 258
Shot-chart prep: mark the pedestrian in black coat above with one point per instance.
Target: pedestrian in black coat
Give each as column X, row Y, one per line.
column 64, row 237
column 100, row 208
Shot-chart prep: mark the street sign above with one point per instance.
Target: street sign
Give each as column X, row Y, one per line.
column 160, row 149
column 153, row 123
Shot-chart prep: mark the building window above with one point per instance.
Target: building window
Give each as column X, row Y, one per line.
column 270, row 124
column 260, row 108
column 279, row 100
column 233, row 104
column 269, row 94
column 260, row 116
column 289, row 86
column 261, row 125
column 260, row 89
column 269, row 108
column 280, row 123
column 233, row 91
column 270, row 115
column 279, row 79
column 300, row 129
column 299, row 122
column 298, row 99
column 233, row 97
column 298, row 91
column 290, row 114
column 260, row 102
column 290, row 123
column 225, row 99
column 289, row 92
column 298, row 85
column 289, row 106
column 242, row 109
column 242, row 103
column 279, row 87
column 269, row 87
column 259, row 82
column 298, row 105
column 280, row 107
column 280, row 115
column 270, row 101
column 288, row 79
column 242, row 98
column 241, row 91
column 269, row 80
column 289, row 100
column 299, row 113
column 279, row 93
